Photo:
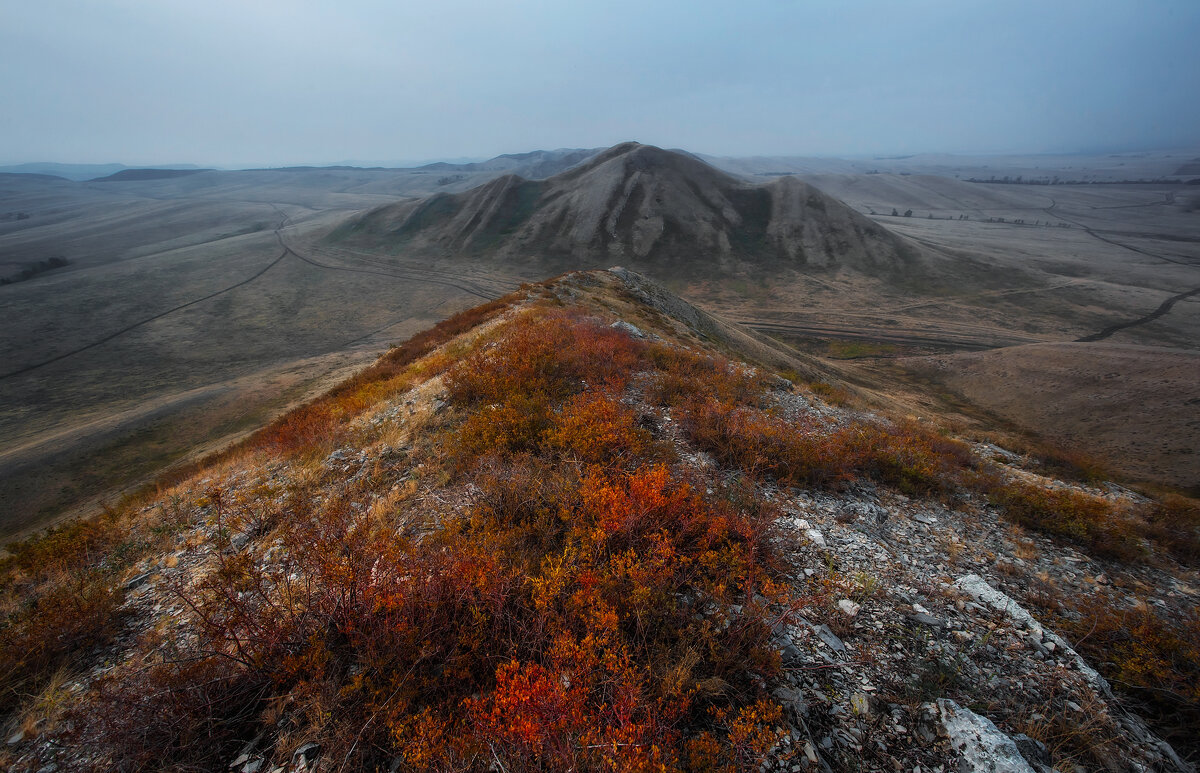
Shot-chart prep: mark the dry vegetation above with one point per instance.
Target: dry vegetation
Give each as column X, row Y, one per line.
column 534, row 583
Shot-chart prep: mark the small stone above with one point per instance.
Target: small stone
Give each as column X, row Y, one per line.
column 829, row 637
column 815, row 537
column 849, row 607
column 922, row 518
column 632, row 330
column 929, row 620
column 138, row 581
column 791, row 653
column 307, row 752
column 1033, row 750
column 789, row 695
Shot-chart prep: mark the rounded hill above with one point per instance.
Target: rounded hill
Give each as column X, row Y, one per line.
column 640, row 205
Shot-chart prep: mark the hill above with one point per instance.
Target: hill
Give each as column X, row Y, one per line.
column 78, row 172
column 137, row 175
column 643, row 206
column 535, row 164
column 588, row 526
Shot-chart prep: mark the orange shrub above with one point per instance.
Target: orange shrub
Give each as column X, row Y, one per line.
column 558, row 623
column 1174, row 523
column 595, row 428
column 795, row 453
column 1104, row 527
column 906, row 455
column 684, row 375
column 550, row 354
column 317, row 424
column 516, row 425
column 604, row 615
column 536, row 714
column 57, row 630
column 309, row 428
column 802, row 453
column 71, row 546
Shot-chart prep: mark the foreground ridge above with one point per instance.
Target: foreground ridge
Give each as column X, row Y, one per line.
column 590, row 527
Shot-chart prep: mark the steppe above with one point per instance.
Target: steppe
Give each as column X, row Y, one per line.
column 193, row 308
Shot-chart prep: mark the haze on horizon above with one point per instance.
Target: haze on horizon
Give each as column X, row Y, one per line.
column 228, row 83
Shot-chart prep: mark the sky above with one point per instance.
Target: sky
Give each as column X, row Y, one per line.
column 275, row 82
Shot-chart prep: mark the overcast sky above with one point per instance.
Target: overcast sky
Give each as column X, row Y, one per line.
column 234, row 82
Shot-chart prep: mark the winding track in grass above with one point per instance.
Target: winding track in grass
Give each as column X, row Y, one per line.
column 444, row 280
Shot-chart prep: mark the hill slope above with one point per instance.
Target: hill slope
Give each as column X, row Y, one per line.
column 643, row 206
column 563, row 531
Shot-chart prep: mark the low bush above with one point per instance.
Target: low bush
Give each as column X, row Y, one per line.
column 803, row 452
column 594, row 428
column 684, row 375
column 1106, row 528
column 317, row 425
column 56, row 629
column 1173, row 522
column 1152, row 660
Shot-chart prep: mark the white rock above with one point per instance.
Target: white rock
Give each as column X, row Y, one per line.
column 980, row 746
column 1002, row 602
column 815, row 537
column 849, row 607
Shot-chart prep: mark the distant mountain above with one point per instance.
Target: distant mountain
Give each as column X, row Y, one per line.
column 135, row 175
column 535, row 164
column 80, row 172
column 637, row 204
